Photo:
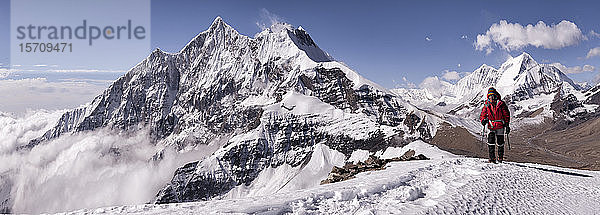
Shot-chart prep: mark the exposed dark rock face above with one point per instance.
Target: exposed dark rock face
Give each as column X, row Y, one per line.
column 593, row 95
column 564, row 115
column 566, row 104
column 333, row 87
column 175, row 193
column 5, row 198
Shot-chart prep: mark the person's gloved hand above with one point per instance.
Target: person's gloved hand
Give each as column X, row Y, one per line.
column 484, row 121
column 507, row 130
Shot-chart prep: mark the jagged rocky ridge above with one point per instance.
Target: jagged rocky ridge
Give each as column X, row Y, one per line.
column 350, row 170
column 264, row 101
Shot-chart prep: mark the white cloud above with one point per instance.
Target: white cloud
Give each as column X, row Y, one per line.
column 427, row 38
column 88, row 80
column 575, row 69
column 430, row 82
column 514, row 36
column 593, row 52
column 458, row 65
column 594, row 34
column 16, row 131
column 85, row 71
column 405, row 83
column 38, row 93
column 63, row 70
column 435, row 86
column 450, row 75
column 267, row 19
column 464, row 37
column 588, row 68
column 83, row 170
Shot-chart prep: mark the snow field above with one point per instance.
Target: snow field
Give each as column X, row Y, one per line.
column 442, row 186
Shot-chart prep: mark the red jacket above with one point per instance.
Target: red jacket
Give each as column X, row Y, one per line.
column 497, row 114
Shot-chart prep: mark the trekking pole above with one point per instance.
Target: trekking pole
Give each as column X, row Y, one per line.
column 508, row 141
column 482, row 134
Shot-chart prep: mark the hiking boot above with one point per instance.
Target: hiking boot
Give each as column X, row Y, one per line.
column 491, row 161
column 500, row 160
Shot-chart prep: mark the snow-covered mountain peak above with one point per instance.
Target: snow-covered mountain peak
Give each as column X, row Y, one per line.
column 218, row 25
column 483, row 66
column 484, row 69
column 526, row 57
column 279, row 27
column 218, row 30
column 523, row 78
column 517, row 65
column 472, row 84
column 285, row 40
column 513, row 67
column 217, row 20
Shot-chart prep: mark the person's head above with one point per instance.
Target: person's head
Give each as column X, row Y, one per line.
column 493, row 95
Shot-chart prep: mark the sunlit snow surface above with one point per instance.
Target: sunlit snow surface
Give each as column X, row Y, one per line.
column 445, row 184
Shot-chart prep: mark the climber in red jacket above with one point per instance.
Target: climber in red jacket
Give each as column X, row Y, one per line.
column 496, row 116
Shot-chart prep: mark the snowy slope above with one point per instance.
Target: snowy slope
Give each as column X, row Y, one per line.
column 445, row 184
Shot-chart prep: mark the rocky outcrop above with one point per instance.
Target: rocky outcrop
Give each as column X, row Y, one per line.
column 565, row 105
column 373, row 163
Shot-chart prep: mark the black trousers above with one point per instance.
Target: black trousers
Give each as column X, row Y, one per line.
column 494, row 137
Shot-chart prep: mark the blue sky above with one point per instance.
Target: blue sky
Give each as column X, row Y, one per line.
column 384, row 41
